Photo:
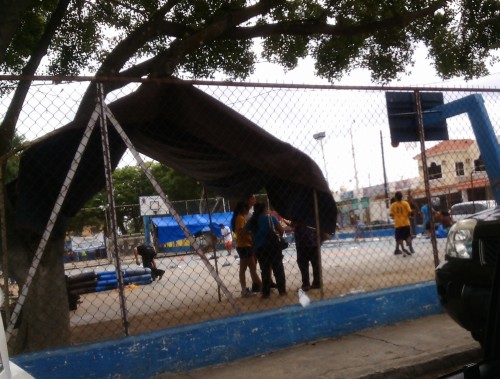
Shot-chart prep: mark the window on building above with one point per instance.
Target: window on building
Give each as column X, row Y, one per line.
column 459, row 168
column 435, row 171
column 479, row 164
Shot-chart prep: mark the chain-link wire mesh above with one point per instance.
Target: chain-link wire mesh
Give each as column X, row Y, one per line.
column 344, row 130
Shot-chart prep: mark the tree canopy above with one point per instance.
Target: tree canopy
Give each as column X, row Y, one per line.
column 200, row 38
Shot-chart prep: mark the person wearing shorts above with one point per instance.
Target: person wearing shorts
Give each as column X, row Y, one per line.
column 244, row 247
column 401, row 212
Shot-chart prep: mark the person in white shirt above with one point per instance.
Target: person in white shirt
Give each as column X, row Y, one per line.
column 227, row 235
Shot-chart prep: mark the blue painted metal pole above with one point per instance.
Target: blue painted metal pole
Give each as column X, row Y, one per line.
column 487, row 142
column 147, row 231
column 486, row 139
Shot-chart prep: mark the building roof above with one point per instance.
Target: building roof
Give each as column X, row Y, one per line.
column 449, row 145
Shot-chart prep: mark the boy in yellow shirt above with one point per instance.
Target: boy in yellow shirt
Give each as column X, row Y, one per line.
column 401, row 211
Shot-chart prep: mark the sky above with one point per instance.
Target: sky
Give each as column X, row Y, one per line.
column 399, row 162
column 338, row 163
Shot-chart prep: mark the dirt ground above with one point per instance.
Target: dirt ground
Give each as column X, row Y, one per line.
column 188, row 294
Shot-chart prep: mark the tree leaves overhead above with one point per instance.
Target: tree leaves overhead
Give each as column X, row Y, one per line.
column 201, row 38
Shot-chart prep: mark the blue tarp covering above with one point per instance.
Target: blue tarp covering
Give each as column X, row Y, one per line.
column 168, row 230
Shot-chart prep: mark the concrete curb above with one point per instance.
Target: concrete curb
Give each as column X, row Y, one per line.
column 427, row 364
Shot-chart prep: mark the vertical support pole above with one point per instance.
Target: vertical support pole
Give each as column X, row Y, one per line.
column 147, row 230
column 486, row 141
column 5, row 255
column 318, row 243
column 421, row 134
column 386, row 190
column 212, row 234
column 175, row 214
column 111, row 202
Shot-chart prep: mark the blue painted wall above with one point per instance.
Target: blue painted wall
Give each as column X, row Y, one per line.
column 224, row 340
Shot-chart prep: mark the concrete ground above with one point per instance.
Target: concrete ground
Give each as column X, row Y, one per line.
column 418, row 349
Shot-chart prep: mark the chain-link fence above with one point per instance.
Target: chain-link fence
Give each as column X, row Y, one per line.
column 344, row 130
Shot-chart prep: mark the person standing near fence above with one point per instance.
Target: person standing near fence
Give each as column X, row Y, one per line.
column 251, row 200
column 414, row 212
column 245, row 250
column 307, row 252
column 400, row 211
column 227, row 236
column 269, row 257
column 427, row 214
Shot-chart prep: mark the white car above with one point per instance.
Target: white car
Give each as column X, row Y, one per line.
column 466, row 209
column 8, row 369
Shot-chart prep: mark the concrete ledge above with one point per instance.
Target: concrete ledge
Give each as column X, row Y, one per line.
column 224, row 340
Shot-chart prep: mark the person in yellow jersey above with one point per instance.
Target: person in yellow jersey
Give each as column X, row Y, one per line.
column 401, row 212
column 244, row 248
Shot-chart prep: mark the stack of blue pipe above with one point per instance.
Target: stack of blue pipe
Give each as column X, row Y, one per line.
column 106, row 280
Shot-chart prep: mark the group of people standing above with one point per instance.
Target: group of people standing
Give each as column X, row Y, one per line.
column 252, row 225
column 404, row 215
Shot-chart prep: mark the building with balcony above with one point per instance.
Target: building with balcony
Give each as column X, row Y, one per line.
column 456, row 173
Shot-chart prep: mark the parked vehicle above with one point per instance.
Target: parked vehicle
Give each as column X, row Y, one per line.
column 8, row 369
column 464, row 280
column 466, row 209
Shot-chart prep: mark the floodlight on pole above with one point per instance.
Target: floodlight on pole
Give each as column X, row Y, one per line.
column 319, row 137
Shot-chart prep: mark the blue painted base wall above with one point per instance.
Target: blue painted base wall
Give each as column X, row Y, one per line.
column 225, row 340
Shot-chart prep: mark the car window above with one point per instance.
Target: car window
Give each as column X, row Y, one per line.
column 462, row 209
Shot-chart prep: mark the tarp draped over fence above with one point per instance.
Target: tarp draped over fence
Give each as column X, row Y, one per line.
column 91, row 243
column 181, row 126
column 167, row 229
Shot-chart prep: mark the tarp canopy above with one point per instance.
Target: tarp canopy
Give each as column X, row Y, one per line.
column 90, row 243
column 168, row 230
column 186, row 129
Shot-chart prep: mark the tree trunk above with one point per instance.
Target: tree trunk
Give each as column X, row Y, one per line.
column 44, row 318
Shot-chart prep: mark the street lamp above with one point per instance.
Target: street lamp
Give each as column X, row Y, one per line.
column 360, row 207
column 319, row 137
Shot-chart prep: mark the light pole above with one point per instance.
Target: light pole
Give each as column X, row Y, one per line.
column 358, row 197
column 319, row 137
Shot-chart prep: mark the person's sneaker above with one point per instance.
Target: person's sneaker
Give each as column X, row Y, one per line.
column 405, row 253
column 411, row 250
column 305, row 288
column 255, row 287
column 246, row 293
column 397, row 252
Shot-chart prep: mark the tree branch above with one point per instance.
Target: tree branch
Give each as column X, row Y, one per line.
column 165, row 63
column 7, row 130
column 308, row 28
column 10, row 19
column 126, row 48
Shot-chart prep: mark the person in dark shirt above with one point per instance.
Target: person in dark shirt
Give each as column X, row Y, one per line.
column 307, row 252
column 148, row 255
